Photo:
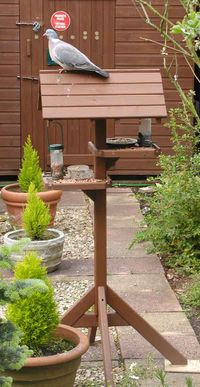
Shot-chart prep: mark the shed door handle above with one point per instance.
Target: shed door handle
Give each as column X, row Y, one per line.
column 27, row 78
column 36, row 25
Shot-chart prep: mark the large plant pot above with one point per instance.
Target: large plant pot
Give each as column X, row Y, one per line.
column 16, row 201
column 53, row 371
column 50, row 249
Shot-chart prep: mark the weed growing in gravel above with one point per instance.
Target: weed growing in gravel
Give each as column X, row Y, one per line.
column 138, row 372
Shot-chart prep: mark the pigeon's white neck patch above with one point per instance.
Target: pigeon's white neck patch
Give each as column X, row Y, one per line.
column 55, row 40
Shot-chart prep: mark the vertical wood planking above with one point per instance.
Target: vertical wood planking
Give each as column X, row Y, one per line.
column 37, row 64
column 47, row 13
column 133, row 52
column 9, row 88
column 97, row 28
column 26, row 69
column 73, row 144
column 85, row 25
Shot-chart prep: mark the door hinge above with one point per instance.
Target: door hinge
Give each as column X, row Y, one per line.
column 36, row 25
column 28, row 78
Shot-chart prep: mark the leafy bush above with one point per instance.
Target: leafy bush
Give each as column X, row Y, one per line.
column 30, row 171
column 37, row 316
column 12, row 353
column 173, row 219
column 36, row 215
column 191, row 298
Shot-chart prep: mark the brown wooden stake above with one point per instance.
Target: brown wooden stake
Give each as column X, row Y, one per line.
column 103, row 325
column 92, row 334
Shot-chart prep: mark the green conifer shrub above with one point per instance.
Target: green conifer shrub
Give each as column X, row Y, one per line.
column 37, row 316
column 12, row 354
column 30, row 171
column 36, row 215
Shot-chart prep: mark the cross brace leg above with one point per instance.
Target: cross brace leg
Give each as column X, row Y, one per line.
column 144, row 328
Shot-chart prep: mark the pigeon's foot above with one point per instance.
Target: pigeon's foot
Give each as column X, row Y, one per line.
column 61, row 71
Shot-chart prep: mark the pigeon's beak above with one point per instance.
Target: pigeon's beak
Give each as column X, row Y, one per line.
column 44, row 34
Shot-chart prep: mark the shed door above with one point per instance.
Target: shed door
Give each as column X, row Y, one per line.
column 92, row 31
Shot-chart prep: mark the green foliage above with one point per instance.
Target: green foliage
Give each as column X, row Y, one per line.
column 37, row 315
column 161, row 376
column 189, row 27
column 173, row 48
column 12, row 354
column 30, row 171
column 191, row 298
column 189, row 382
column 173, row 219
column 5, row 252
column 36, row 215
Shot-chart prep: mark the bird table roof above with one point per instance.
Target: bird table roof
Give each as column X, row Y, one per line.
column 125, row 94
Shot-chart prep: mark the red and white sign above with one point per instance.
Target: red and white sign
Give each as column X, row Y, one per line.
column 60, row 21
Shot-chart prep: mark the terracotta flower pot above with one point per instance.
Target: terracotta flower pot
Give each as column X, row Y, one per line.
column 53, row 371
column 16, row 201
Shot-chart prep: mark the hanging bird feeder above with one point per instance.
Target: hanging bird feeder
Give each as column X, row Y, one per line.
column 56, row 154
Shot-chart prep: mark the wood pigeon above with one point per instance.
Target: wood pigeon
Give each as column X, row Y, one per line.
column 68, row 56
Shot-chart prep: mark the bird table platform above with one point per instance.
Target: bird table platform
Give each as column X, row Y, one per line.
column 125, row 94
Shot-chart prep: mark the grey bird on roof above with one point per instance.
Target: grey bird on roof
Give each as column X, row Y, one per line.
column 69, row 57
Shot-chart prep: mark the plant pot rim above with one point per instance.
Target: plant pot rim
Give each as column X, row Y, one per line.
column 22, row 231
column 70, row 333
column 8, row 192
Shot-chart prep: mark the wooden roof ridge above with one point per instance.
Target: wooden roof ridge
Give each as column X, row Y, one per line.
column 125, row 94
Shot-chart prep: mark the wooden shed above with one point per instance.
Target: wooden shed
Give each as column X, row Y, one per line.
column 108, row 31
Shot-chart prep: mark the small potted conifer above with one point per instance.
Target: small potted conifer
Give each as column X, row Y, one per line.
column 48, row 242
column 15, row 195
column 57, row 349
column 13, row 354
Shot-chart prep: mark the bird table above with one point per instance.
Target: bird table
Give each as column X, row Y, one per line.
column 125, row 94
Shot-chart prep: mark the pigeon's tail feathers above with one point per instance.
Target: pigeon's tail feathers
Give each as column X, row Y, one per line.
column 101, row 72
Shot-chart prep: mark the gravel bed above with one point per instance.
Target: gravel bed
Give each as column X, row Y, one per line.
column 77, row 225
column 66, row 293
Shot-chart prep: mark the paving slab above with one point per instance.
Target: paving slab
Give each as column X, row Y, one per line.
column 127, row 199
column 72, row 199
column 123, row 235
column 146, row 292
column 117, row 249
column 115, row 266
column 169, row 323
column 121, row 210
column 114, row 222
column 133, row 345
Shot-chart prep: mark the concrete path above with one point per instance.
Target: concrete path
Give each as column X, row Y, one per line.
column 139, row 278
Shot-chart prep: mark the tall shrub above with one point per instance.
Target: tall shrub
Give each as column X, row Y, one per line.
column 37, row 316
column 30, row 171
column 36, row 215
